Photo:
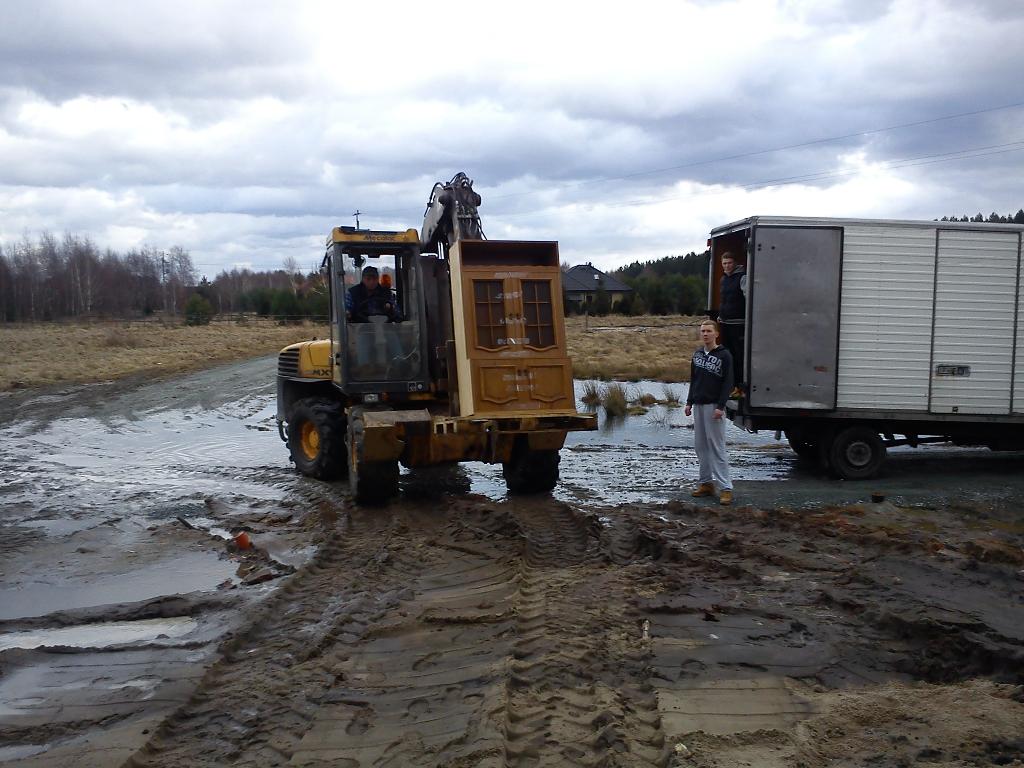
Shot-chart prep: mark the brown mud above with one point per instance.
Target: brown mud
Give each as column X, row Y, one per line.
column 454, row 627
column 533, row 633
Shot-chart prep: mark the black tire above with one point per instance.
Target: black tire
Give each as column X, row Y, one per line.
column 530, row 471
column 803, row 446
column 856, row 453
column 371, row 482
column 316, row 438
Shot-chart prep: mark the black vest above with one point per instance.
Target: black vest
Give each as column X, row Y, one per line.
column 733, row 305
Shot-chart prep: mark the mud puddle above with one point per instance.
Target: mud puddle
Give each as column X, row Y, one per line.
column 644, row 458
column 111, row 600
column 182, row 574
column 100, row 635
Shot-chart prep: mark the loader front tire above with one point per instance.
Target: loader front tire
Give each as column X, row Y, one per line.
column 316, row 438
column 530, row 471
column 371, row 482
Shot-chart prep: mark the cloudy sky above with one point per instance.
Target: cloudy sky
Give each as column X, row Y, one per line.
column 244, row 131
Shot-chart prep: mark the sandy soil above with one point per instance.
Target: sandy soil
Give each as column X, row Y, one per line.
column 617, row 623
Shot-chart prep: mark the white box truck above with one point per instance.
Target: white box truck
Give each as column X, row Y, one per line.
column 863, row 334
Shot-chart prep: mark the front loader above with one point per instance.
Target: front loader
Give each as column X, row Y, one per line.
column 470, row 363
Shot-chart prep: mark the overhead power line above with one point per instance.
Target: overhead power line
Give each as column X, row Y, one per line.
column 738, row 155
column 908, row 162
column 755, row 153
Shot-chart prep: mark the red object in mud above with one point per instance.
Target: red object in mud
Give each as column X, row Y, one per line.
column 243, row 541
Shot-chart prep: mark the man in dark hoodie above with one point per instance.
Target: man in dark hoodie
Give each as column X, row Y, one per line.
column 368, row 297
column 710, row 385
column 732, row 313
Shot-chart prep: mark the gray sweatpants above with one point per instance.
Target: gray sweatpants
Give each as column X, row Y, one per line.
column 709, row 441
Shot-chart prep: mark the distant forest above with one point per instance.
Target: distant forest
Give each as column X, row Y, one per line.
column 71, row 277
column 673, row 285
column 992, row 218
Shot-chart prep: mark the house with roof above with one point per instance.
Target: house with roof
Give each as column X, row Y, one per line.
column 582, row 283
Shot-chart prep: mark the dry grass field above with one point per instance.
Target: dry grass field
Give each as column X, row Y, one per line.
column 622, row 348
column 632, row 348
column 55, row 353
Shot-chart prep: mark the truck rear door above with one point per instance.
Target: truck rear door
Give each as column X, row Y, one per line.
column 792, row 328
column 975, row 307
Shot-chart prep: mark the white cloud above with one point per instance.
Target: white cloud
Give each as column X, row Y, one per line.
column 244, row 134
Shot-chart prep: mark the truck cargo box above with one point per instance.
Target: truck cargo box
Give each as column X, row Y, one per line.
column 902, row 327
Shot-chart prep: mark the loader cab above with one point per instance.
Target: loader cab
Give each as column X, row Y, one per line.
column 377, row 326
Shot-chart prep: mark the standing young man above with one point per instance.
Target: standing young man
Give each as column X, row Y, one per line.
column 711, row 373
column 732, row 313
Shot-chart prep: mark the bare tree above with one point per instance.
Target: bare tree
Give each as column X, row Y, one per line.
column 291, row 268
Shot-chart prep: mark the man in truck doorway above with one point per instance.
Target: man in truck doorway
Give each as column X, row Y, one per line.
column 710, row 385
column 732, row 314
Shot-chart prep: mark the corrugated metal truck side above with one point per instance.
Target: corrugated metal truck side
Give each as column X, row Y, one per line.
column 864, row 334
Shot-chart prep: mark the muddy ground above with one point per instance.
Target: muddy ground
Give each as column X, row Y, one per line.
column 615, row 623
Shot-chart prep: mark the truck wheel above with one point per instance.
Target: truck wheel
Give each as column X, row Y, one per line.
column 316, row 438
column 803, row 447
column 371, row 482
column 530, row 471
column 856, row 453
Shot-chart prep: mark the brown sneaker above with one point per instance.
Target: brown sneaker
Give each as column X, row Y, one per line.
column 704, row 489
column 725, row 498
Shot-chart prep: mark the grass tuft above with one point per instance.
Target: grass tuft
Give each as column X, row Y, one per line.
column 614, row 400
column 591, row 394
column 121, row 338
column 659, row 418
column 670, row 396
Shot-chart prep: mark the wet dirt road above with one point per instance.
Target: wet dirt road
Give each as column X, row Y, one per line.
column 613, row 624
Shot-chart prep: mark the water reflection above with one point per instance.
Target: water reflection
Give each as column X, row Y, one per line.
column 646, row 457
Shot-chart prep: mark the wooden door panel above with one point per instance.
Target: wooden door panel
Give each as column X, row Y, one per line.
column 497, row 385
column 550, row 383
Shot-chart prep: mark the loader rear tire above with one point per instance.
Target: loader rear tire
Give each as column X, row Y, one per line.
column 371, row 482
column 316, row 438
column 530, row 471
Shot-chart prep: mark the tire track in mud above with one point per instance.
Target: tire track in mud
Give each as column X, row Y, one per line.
column 421, row 687
column 475, row 634
column 578, row 691
column 533, row 633
column 384, row 634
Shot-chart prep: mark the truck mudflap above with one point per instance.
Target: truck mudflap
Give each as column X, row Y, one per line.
column 419, row 439
column 735, row 412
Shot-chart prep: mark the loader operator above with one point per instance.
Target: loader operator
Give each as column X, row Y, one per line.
column 377, row 343
column 368, row 297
